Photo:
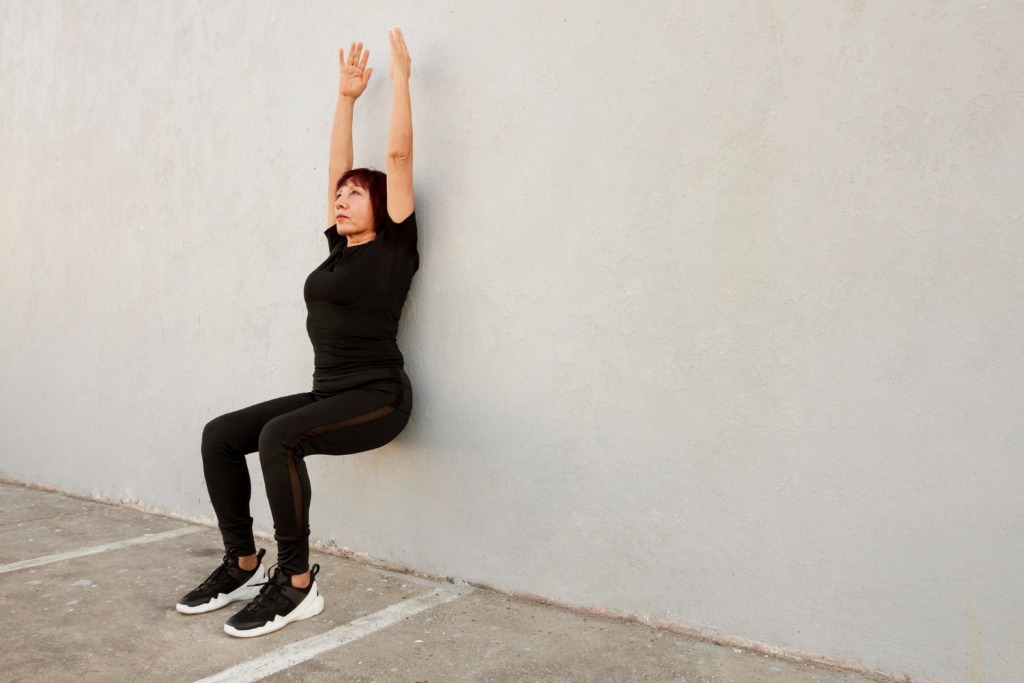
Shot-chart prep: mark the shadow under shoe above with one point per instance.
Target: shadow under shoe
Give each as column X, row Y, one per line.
column 225, row 585
column 278, row 604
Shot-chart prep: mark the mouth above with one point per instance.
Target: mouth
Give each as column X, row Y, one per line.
column 340, row 216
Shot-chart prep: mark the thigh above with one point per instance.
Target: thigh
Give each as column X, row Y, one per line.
column 349, row 422
column 241, row 428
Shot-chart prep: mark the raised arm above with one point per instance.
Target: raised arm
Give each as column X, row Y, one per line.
column 399, row 149
column 351, row 82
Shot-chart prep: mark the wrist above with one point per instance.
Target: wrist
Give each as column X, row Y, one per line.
column 346, row 99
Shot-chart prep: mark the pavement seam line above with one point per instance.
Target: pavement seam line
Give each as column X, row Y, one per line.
column 81, row 552
column 304, row 650
column 36, row 519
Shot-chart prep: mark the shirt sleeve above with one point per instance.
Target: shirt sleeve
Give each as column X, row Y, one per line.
column 333, row 238
column 400, row 236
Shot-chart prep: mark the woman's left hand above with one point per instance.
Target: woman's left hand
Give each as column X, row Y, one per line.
column 401, row 64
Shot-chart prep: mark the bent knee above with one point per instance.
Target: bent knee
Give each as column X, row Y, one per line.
column 215, row 436
column 274, row 438
column 226, row 437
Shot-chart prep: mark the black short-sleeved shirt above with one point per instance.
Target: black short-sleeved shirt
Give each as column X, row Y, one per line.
column 354, row 300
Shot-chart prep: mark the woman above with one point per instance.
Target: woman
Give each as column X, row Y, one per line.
column 361, row 397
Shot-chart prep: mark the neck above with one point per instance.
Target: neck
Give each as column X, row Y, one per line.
column 361, row 238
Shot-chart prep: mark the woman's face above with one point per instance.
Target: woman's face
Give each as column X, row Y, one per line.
column 353, row 210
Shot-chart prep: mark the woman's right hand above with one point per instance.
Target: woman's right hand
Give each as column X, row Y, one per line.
column 354, row 74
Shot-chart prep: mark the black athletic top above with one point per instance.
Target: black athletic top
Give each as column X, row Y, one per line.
column 354, row 300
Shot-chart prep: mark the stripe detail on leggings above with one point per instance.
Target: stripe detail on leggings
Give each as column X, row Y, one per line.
column 317, row 431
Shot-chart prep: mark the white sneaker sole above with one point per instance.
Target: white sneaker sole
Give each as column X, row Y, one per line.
column 311, row 606
column 246, row 591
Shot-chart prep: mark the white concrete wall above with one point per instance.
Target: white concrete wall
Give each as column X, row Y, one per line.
column 718, row 320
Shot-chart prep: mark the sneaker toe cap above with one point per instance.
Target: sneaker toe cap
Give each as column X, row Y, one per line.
column 195, row 600
column 244, row 624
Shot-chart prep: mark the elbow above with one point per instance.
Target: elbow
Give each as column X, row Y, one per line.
column 399, row 156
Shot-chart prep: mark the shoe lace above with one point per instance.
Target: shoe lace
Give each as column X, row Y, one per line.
column 218, row 574
column 270, row 592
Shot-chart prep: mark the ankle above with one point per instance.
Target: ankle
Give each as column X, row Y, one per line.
column 248, row 562
column 300, row 580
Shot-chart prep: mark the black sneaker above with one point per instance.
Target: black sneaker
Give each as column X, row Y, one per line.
column 277, row 605
column 226, row 584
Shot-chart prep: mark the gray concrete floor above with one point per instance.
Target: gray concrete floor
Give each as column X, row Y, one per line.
column 110, row 616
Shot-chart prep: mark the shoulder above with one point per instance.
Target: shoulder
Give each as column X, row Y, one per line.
column 407, row 220
column 400, row 235
column 389, row 217
column 333, row 238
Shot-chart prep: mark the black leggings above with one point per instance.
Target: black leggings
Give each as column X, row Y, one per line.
column 361, row 417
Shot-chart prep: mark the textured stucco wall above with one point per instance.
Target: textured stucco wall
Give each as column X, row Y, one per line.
column 718, row 320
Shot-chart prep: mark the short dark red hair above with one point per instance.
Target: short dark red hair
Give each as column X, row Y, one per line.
column 376, row 185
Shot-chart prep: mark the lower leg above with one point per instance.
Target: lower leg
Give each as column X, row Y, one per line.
column 300, row 580
column 288, row 492
column 227, row 481
column 248, row 562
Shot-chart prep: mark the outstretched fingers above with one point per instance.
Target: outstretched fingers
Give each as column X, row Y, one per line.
column 353, row 55
column 400, row 62
column 398, row 42
column 353, row 72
